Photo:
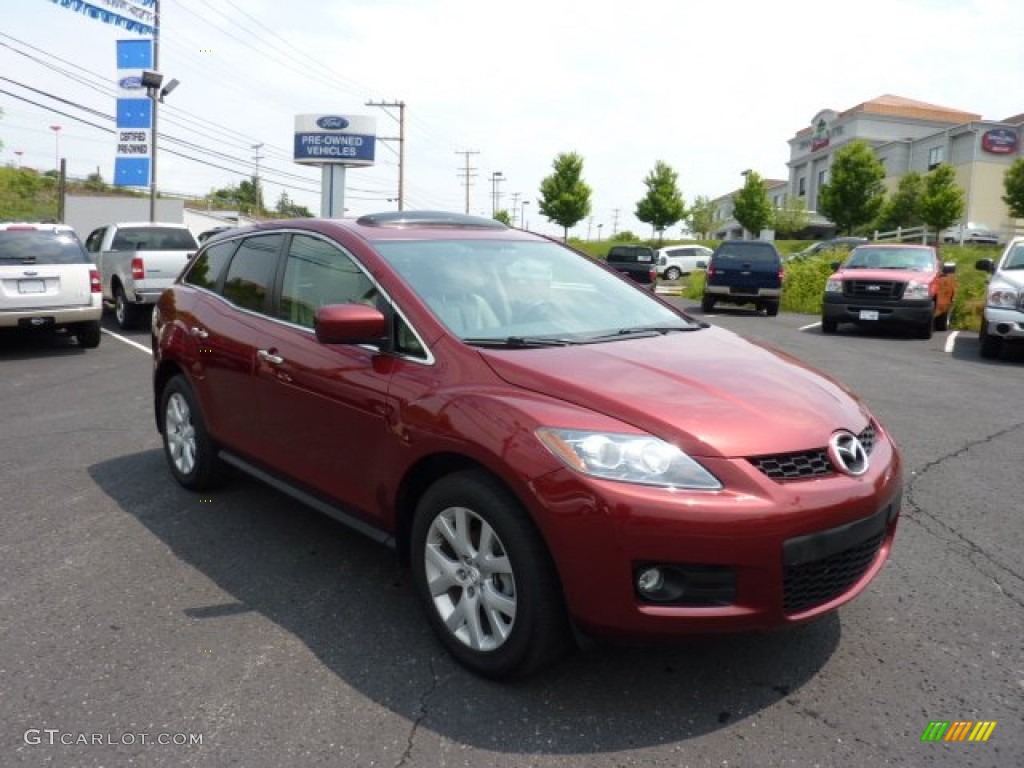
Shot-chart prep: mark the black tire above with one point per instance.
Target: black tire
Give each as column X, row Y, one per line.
column 942, row 321
column 191, row 453
column 126, row 314
column 707, row 304
column 829, row 326
column 925, row 329
column 673, row 273
column 88, row 334
column 493, row 644
column 771, row 308
column 989, row 346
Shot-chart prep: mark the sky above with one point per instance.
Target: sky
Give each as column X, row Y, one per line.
column 710, row 88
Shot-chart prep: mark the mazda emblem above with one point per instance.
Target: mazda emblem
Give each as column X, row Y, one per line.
column 847, row 454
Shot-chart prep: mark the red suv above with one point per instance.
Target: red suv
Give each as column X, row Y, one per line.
column 545, row 444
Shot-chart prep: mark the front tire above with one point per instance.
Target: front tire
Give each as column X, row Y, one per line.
column 485, row 578
column 191, row 453
column 673, row 273
column 990, row 345
column 829, row 326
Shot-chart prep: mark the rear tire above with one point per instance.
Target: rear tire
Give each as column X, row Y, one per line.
column 771, row 308
column 485, row 578
column 88, row 334
column 707, row 304
column 126, row 313
column 191, row 453
column 673, row 273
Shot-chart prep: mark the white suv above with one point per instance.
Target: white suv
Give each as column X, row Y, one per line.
column 48, row 282
column 1003, row 319
column 674, row 261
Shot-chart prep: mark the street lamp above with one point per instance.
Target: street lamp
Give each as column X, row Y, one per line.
column 599, row 232
column 495, row 178
column 151, row 81
column 18, row 153
column 523, row 217
column 56, row 142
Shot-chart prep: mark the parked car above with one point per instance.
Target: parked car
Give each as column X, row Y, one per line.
column 137, row 261
column 971, row 232
column 48, row 282
column 207, row 234
column 479, row 399
column 833, row 247
column 1003, row 317
column 891, row 284
column 674, row 261
column 638, row 262
column 744, row 272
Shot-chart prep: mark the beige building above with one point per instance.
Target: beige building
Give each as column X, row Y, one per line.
column 906, row 136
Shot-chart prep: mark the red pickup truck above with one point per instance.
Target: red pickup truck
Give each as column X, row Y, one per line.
column 891, row 284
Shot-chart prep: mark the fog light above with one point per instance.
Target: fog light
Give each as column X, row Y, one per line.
column 649, row 581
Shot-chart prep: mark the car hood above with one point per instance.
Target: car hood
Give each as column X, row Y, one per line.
column 710, row 391
column 885, row 275
column 1014, row 277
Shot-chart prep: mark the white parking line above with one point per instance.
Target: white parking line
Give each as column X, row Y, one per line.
column 951, row 342
column 128, row 341
column 808, row 327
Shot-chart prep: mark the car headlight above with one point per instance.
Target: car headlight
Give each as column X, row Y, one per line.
column 915, row 290
column 1003, row 296
column 642, row 459
column 834, row 285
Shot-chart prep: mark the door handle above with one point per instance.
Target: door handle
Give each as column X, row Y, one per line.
column 269, row 356
column 198, row 332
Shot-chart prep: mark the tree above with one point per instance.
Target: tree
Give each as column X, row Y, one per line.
column 564, row 196
column 663, row 205
column 625, row 236
column 792, row 217
column 94, row 182
column 700, row 219
column 903, row 209
column 504, row 217
column 751, row 207
column 854, row 194
column 942, row 201
column 1013, row 183
column 286, row 209
column 243, row 196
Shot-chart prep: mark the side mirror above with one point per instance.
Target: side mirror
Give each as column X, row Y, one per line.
column 350, row 324
column 834, row 265
column 985, row 265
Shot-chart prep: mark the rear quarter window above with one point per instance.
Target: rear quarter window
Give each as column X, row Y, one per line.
column 208, row 266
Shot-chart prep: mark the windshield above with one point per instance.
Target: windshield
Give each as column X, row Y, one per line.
column 526, row 293
column 1015, row 258
column 868, row 257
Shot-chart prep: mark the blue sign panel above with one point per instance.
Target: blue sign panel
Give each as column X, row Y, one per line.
column 134, row 54
column 134, row 113
column 131, row 171
column 345, row 148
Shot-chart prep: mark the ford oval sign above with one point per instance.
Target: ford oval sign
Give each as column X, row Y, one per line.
column 999, row 141
column 332, row 123
column 130, row 83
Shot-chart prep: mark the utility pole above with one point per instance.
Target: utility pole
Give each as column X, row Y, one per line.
column 256, row 178
column 496, row 178
column 615, row 223
column 468, row 173
column 401, row 143
column 515, row 207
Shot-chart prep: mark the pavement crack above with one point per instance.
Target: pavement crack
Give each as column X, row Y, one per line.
column 424, row 697
column 977, row 554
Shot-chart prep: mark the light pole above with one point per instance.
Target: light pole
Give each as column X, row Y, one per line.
column 599, row 232
column 56, row 144
column 523, row 217
column 256, row 178
column 495, row 179
column 18, row 153
column 151, row 81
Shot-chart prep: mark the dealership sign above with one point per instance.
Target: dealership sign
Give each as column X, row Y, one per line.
column 1000, row 141
column 133, row 156
column 335, row 139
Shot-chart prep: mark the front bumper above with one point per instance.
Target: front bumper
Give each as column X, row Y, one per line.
column 844, row 309
column 1006, row 324
column 761, row 554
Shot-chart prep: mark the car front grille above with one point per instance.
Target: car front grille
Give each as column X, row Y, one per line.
column 808, row 584
column 801, row 465
column 873, row 289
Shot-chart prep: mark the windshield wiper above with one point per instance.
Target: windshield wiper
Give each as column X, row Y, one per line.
column 645, row 330
column 520, row 342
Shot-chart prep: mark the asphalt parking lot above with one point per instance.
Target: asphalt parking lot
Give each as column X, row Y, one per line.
column 243, row 629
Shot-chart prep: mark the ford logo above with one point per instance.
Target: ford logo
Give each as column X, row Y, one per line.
column 130, row 83
column 332, row 123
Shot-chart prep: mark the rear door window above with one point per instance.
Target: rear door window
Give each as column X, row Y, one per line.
column 250, row 277
column 208, row 266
